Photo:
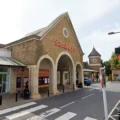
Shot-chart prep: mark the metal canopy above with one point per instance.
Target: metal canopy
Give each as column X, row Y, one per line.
column 89, row 70
column 9, row 62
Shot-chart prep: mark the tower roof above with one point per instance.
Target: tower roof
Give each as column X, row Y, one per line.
column 94, row 53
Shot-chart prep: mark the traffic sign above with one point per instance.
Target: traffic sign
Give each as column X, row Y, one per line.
column 117, row 50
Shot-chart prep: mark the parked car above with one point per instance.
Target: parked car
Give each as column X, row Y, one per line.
column 118, row 77
column 87, row 81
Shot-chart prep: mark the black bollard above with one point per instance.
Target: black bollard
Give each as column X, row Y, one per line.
column 16, row 98
column 0, row 99
column 63, row 88
column 48, row 93
column 118, row 114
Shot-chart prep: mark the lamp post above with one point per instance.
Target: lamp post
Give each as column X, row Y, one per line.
column 111, row 33
column 102, row 78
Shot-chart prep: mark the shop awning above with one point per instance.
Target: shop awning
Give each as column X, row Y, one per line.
column 9, row 62
column 89, row 70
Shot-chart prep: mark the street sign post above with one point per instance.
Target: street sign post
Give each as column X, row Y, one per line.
column 103, row 85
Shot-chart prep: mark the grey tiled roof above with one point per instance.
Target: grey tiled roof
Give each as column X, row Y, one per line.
column 42, row 31
column 4, row 61
column 94, row 53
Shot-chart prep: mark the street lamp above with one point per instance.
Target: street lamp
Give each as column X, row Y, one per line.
column 111, row 33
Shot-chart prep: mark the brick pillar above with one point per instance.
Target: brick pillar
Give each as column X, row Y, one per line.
column 53, row 81
column 13, row 76
column 33, row 82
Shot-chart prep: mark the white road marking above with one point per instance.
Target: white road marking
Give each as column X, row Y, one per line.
column 33, row 118
column 115, row 115
column 89, row 118
column 95, row 88
column 92, row 89
column 36, row 117
column 25, row 112
column 16, row 108
column 48, row 113
column 113, row 109
column 66, row 116
column 112, row 118
column 67, row 104
column 87, row 96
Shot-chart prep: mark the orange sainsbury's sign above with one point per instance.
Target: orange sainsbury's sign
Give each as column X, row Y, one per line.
column 64, row 45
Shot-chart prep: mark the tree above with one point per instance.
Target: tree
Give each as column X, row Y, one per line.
column 107, row 65
column 115, row 63
column 102, row 63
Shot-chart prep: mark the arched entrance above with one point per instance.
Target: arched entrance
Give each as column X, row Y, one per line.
column 46, row 74
column 65, row 71
column 79, row 74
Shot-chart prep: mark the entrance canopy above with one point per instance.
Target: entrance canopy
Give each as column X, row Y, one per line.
column 89, row 70
column 9, row 62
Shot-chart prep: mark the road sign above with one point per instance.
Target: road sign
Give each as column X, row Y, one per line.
column 117, row 50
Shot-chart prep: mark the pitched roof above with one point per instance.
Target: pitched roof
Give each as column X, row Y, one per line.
column 94, row 53
column 40, row 33
column 1, row 45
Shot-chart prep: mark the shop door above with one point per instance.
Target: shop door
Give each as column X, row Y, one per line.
column 66, row 80
column 4, row 83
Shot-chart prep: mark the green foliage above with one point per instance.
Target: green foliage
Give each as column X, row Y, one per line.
column 115, row 63
column 107, row 65
column 101, row 62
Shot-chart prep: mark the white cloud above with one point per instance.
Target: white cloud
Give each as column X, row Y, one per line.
column 19, row 17
column 104, row 43
column 10, row 16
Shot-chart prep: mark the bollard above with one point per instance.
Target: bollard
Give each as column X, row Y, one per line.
column 16, row 98
column 48, row 93
column 0, row 99
column 118, row 114
column 63, row 88
column 73, row 87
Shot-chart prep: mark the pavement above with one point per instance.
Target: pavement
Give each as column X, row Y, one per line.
column 7, row 99
column 83, row 104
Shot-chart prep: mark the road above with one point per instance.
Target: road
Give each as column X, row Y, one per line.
column 82, row 104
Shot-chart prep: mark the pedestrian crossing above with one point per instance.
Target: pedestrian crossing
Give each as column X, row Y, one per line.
column 26, row 112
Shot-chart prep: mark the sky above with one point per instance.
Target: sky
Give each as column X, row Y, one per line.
column 92, row 20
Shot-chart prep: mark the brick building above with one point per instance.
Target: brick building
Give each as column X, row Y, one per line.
column 91, row 69
column 94, row 59
column 52, row 56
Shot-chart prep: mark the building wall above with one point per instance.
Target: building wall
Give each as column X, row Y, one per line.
column 29, row 52
column 56, row 33
column 25, row 52
column 91, row 60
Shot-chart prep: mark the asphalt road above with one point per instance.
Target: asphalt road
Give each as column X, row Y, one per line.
column 82, row 104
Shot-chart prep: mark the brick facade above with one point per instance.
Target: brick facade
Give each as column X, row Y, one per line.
column 29, row 52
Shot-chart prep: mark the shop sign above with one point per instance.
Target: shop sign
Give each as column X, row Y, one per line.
column 64, row 45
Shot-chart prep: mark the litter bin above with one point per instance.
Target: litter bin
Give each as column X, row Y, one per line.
column 26, row 93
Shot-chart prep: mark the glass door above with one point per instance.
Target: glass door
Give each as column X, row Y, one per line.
column 4, row 83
